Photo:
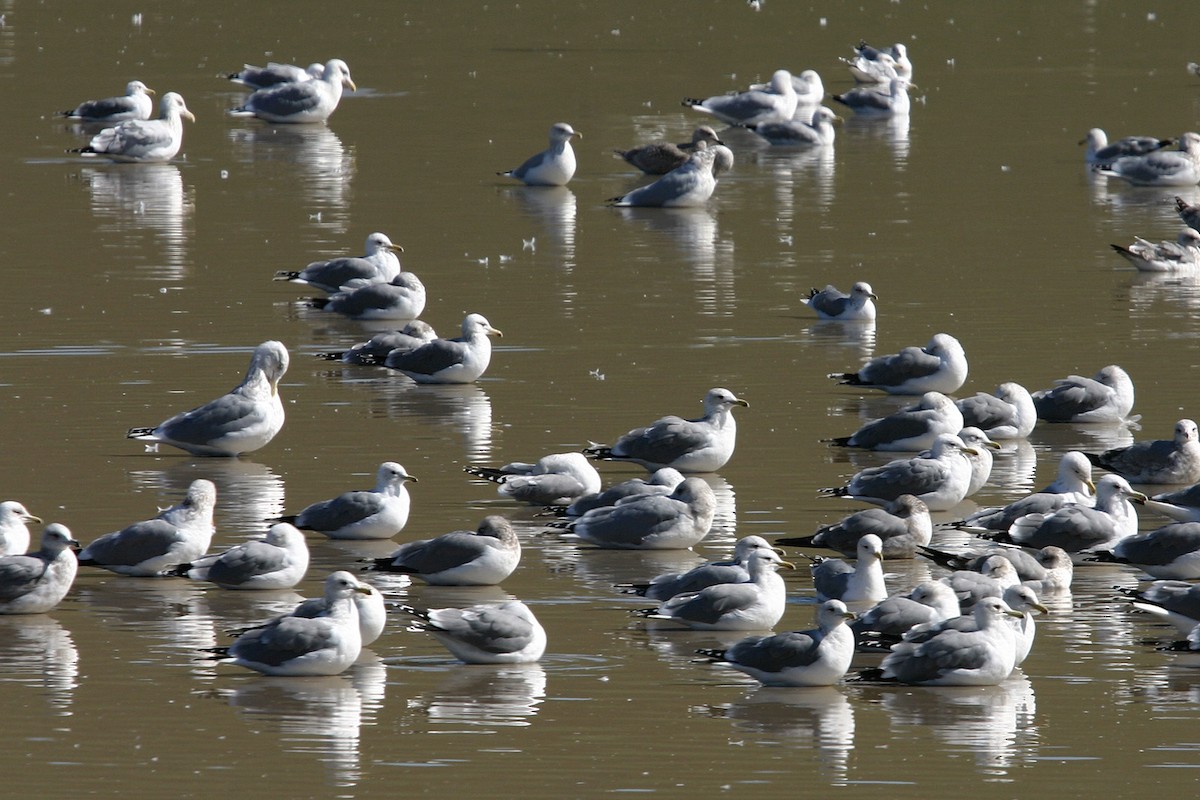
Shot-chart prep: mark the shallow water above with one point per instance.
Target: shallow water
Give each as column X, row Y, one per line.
column 136, row 291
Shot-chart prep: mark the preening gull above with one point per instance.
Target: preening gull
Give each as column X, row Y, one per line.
column 507, row 633
column 378, row 264
column 244, row 420
column 1102, row 151
column 179, row 535
column 1007, row 414
column 1181, row 506
column 1072, row 486
column 878, row 64
column 667, row 585
column 661, row 481
column 659, row 158
column 378, row 513
column 940, row 366
column 14, row 533
column 1188, row 213
column 555, row 479
column 1181, row 254
column 1079, row 529
column 755, row 605
column 483, row 557
column 460, row 360
column 145, row 141
column 134, row 104
column 1108, row 397
column 274, row 74
column 1162, row 167
column 1171, row 552
column 687, row 186
column 699, row 445
column 911, row 429
column 401, row 299
column 903, row 526
column 941, row 480
column 554, row 166
column 817, row 657
column 871, row 102
column 892, row 617
column 1175, row 460
column 277, row 561
column 834, row 579
column 818, row 132
column 650, row 522
column 298, row 102
column 36, row 582
column 1174, row 602
column 777, row 103
column 830, row 303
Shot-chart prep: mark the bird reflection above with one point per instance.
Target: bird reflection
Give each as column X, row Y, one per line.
column 485, row 696
column 1014, row 466
column 601, row 569
column 808, row 170
column 1150, row 290
column 553, row 208
column 1091, row 437
column 248, row 493
column 855, row 336
column 892, row 130
column 38, row 651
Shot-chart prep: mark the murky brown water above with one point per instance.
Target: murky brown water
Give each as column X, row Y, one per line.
column 134, row 291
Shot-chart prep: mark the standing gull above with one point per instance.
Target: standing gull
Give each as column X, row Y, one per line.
column 941, row 480
column 14, row 535
column 1108, row 397
column 817, row 132
column 135, row 104
column 659, row 158
column 940, row 366
column 752, row 606
column 1079, row 529
column 36, row 582
column 378, row 264
column 911, row 429
column 378, row 513
column 903, row 526
column 244, row 420
column 179, row 535
column 299, row 102
column 145, row 141
column 483, row 557
column 1181, row 254
column 833, row 578
column 1162, row 167
column 507, row 633
column 555, row 479
column 1007, row 414
column 686, row 186
column 665, row 586
column 1175, row 460
column 554, row 166
column 374, row 351
column 830, row 303
column 277, row 561
column 400, row 299
column 460, row 360
column 274, row 74
column 650, row 522
column 777, row 103
column 1101, row 151
column 869, row 102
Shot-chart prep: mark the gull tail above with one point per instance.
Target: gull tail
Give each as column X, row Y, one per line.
column 712, row 654
column 140, row 433
column 944, row 559
column 833, row 491
column 797, row 541
column 317, row 302
column 639, row 589
column 598, row 451
column 487, row 473
column 288, row 275
column 847, row 378
column 839, row 441
column 1105, row 557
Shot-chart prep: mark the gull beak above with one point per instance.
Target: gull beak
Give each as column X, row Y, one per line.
column 873, row 296
column 365, row 589
column 1038, row 607
column 778, row 550
column 395, row 248
column 31, row 518
column 149, row 90
column 993, row 445
column 740, row 402
column 1016, row 614
column 349, row 82
column 577, row 133
column 495, row 332
column 850, row 616
column 1139, row 498
column 1091, row 486
column 412, row 478
column 188, row 114
column 787, row 565
column 971, row 451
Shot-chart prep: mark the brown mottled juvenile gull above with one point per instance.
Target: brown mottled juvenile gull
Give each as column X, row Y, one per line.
column 179, row 535
column 686, row 186
column 134, row 104
column 378, row 513
column 940, row 366
column 463, row 359
column 483, row 557
column 143, row 141
column 36, row 582
column 1175, row 460
column 507, row 633
column 276, row 561
column 1107, row 397
column 554, row 166
column 831, row 303
column 378, row 264
column 659, row 158
column 300, row 102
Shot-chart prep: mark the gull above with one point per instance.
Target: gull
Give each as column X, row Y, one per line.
column 300, row 102
column 978, row 451
column 938, row 656
column 669, row 584
column 14, row 535
column 1171, row 601
column 460, row 360
column 868, row 63
column 1160, row 168
column 808, row 88
column 777, row 103
column 1171, row 552
column 1046, row 571
column 941, row 480
column 940, row 366
column 379, row 264
column 558, row 478
column 274, row 74
column 1188, row 213
column 36, row 582
column 401, row 298
column 554, row 166
column 834, row 579
column 817, row 132
column 368, row 602
column 650, row 522
column 144, row 141
column 889, row 619
column 687, row 186
column 817, row 657
column 903, row 526
column 699, row 445
column 244, row 420
column 375, row 350
column 995, row 574
column 483, row 557
column 291, row 645
column 1181, row 254
column 1107, row 397
column 378, row 513
column 870, row 102
column 1102, row 151
column 1181, row 506
column 752, row 606
column 135, row 104
column 277, row 561
column 1175, row 460
column 911, row 429
column 830, row 303
column 1007, row 414
column 1019, row 598
column 661, row 481
column 507, row 633
column 1079, row 529
column 659, row 158
column 179, row 535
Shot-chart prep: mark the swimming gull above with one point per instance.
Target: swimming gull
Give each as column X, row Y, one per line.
column 650, row 522
column 378, row 513
column 300, row 102
column 755, row 605
column 374, row 351
column 401, row 298
column 661, row 481
column 1160, row 168
column 888, row 620
column 379, row 264
column 699, row 445
column 244, row 420
column 777, row 103
column 830, row 303
column 134, row 104
column 1175, row 460
column 277, row 561
column 1079, row 529
column 809, row 89
column 368, row 602
column 483, row 557
column 1018, row 597
column 554, row 166
column 14, row 533
column 1007, row 414
column 686, row 186
column 866, row 64
column 870, row 102
column 1102, row 151
column 1046, row 571
column 507, row 633
column 179, row 535
column 1188, row 213
column 940, row 366
column 1171, row 552
column 460, row 360
column 144, row 141
column 274, row 74
column 833, row 578
column 667, row 585
column 1146, row 256
column 818, row 132
column 911, row 429
column 1174, row 602
column 1107, row 397
column 558, row 478
column 941, row 480
column 36, row 582
column 817, row 657
column 659, row 158
column 903, row 526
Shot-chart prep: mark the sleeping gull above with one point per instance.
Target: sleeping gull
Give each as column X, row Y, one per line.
column 244, row 420
column 179, row 535
column 940, row 366
column 834, row 579
column 818, row 132
column 829, row 303
column 1108, row 397
column 1146, row 256
column 1046, row 571
column 378, row 513
column 277, row 561
column 1160, row 168
column 379, row 264
column 374, row 351
column 903, row 526
column 299, row 102
column 274, row 74
column 507, row 633
column 401, row 298
column 659, row 158
column 686, row 186
column 460, row 360
column 699, row 445
column 1171, row 552
column 558, row 478
column 661, row 481
column 941, row 480
column 144, row 141
column 667, row 585
column 483, row 557
column 1175, row 460
column 755, row 605
column 869, row 102
column 134, row 104
column 866, row 66
column 650, row 522
column 1079, row 529
column 809, row 89
column 911, row 429
column 889, row 619
column 554, row 166
column 1102, row 151
column 817, row 657
column 995, row 574
column 777, row 103
column 1188, row 213
column 1174, row 602
column 14, row 533
column 36, row 582
column 1007, row 414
